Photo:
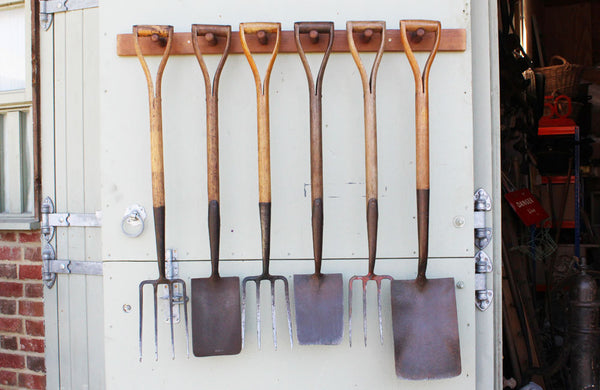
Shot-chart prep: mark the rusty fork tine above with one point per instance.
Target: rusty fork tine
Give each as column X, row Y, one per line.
column 350, row 309
column 258, row 332
column 379, row 311
column 289, row 311
column 155, row 288
column 273, row 318
column 364, row 299
column 170, row 285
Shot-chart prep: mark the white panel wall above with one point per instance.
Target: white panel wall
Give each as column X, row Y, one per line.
column 126, row 180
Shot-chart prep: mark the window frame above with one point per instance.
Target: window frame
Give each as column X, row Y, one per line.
column 26, row 100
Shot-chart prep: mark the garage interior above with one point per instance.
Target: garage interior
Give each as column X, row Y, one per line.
column 550, row 128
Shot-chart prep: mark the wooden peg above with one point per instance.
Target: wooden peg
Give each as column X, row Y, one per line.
column 367, row 35
column 417, row 35
column 313, row 35
column 211, row 39
column 263, row 37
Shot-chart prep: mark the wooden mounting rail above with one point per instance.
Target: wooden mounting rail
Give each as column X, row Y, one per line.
column 451, row 40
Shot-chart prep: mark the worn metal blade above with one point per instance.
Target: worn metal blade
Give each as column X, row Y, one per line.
column 319, row 309
column 426, row 340
column 216, row 319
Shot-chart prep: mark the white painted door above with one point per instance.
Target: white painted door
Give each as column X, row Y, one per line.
column 70, row 175
column 463, row 117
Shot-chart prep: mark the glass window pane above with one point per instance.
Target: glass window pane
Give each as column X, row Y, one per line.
column 12, row 50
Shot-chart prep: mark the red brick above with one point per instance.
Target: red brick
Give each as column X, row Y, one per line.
column 8, row 236
column 10, row 289
column 10, row 253
column 35, row 382
column 8, row 378
column 33, row 254
column 36, row 363
column 32, row 345
column 8, row 307
column 8, row 342
column 8, row 271
column 8, row 360
column 34, row 328
column 29, row 237
column 34, row 290
column 31, row 309
column 11, row 325
column 30, row 272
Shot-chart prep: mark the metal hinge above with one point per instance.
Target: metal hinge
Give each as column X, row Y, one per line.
column 483, row 263
column 483, row 266
column 53, row 266
column 51, row 220
column 49, row 7
column 483, row 203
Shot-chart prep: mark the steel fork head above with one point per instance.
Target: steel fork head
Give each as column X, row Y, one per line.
column 170, row 283
column 272, row 279
column 378, row 279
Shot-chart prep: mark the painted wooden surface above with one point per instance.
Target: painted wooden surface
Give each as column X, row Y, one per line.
column 300, row 367
column 125, row 177
column 74, row 302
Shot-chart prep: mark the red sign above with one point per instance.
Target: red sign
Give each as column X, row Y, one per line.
column 527, row 207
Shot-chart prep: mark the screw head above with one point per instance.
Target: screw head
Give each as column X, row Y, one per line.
column 126, row 308
column 459, row 221
column 460, row 284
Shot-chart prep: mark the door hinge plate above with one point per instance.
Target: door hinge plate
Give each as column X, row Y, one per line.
column 52, row 266
column 483, row 266
column 51, row 220
column 50, row 7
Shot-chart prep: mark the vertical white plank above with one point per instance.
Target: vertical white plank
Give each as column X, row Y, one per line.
column 13, row 138
column 75, row 194
column 61, row 196
column 48, row 189
column 91, row 128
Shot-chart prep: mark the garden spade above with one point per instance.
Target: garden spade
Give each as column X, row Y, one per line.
column 318, row 297
column 216, row 321
column 426, row 342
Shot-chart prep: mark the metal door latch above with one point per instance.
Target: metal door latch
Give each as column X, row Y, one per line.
column 483, row 266
column 483, row 203
column 50, row 7
column 50, row 220
column 172, row 272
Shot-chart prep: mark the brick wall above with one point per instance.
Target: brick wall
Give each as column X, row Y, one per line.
column 22, row 364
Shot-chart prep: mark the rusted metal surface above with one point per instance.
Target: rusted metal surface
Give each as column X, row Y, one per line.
column 451, row 40
column 365, row 31
column 424, row 317
column 318, row 297
column 584, row 332
column 426, row 342
column 264, row 177
column 216, row 321
column 158, row 186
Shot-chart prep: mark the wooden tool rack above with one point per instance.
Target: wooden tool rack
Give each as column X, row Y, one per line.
column 451, row 40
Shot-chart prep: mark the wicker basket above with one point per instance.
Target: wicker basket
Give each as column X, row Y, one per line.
column 561, row 79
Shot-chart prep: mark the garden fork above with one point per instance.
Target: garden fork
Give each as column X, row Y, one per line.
column 370, row 167
column 264, row 179
column 158, row 33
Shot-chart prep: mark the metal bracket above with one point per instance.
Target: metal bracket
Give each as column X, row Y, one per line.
column 49, row 7
column 51, row 220
column 172, row 271
column 52, row 266
column 483, row 266
column 483, row 203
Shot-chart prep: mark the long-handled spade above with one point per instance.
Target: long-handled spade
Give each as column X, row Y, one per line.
column 319, row 298
column 264, row 178
column 158, row 183
column 216, row 322
column 426, row 341
column 371, row 169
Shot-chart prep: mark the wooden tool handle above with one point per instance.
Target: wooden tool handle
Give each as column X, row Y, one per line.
column 316, row 148
column 368, row 83
column 422, row 132
column 262, row 98
column 212, row 132
column 156, row 135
